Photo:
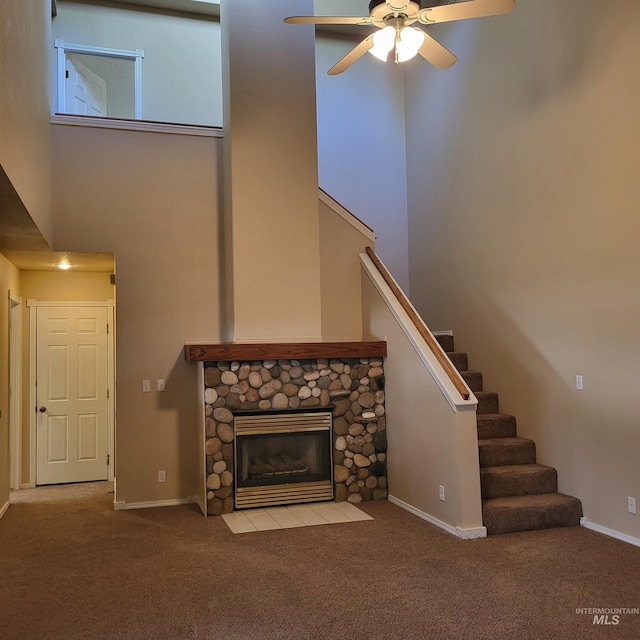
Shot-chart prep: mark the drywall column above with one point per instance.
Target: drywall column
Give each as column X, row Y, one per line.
column 272, row 265
column 25, row 151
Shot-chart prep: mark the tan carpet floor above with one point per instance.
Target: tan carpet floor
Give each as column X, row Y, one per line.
column 72, row 568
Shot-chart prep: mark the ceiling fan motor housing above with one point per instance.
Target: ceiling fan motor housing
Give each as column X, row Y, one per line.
column 382, row 10
column 422, row 4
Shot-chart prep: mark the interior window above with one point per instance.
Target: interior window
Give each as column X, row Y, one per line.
column 99, row 85
column 94, row 81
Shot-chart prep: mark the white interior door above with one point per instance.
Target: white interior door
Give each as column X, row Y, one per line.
column 71, row 392
column 86, row 91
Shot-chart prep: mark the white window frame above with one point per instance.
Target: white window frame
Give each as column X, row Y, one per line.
column 135, row 55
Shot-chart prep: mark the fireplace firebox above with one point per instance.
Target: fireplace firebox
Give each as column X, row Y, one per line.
column 283, row 458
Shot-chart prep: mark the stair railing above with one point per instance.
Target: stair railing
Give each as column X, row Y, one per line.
column 421, row 327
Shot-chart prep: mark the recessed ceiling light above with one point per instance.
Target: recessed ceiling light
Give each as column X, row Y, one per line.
column 64, row 265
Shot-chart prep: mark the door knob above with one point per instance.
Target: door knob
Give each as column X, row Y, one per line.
column 42, row 409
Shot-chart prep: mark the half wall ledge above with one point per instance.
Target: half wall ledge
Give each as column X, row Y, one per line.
column 284, row 351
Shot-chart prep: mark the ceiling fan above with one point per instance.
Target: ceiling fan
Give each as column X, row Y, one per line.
column 394, row 19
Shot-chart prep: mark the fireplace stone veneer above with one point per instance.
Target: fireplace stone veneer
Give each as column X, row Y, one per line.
column 351, row 388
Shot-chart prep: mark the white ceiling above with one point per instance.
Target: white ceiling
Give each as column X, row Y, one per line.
column 48, row 261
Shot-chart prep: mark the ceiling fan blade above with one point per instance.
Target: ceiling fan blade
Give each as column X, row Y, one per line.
column 355, row 54
column 432, row 51
column 328, row 20
column 464, row 10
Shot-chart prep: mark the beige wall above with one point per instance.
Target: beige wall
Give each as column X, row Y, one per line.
column 181, row 68
column 24, row 105
column 271, row 172
column 66, row 285
column 51, row 286
column 341, row 241
column 431, row 443
column 9, row 282
column 524, row 229
column 162, row 225
column 152, row 200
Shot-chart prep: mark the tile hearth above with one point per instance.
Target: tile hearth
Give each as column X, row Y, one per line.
column 299, row 515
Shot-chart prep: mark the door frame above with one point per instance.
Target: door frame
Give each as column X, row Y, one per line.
column 15, row 389
column 33, row 308
column 66, row 47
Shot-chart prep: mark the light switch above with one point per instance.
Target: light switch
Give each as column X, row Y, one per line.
column 160, row 384
column 146, row 386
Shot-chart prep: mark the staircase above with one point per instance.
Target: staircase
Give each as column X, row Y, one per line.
column 517, row 493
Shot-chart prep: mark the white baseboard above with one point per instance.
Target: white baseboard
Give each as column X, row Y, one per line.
column 121, row 505
column 464, row 534
column 609, row 532
column 200, row 503
column 27, row 485
column 4, row 508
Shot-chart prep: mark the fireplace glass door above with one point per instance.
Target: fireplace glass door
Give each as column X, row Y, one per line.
column 283, row 458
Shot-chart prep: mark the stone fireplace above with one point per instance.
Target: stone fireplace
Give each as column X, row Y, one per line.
column 295, row 392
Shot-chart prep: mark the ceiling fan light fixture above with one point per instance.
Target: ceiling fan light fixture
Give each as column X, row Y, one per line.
column 409, row 43
column 393, row 18
column 383, row 42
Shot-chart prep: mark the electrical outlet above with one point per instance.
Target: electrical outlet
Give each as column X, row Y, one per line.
column 632, row 505
column 579, row 385
column 146, row 386
column 441, row 492
column 162, row 476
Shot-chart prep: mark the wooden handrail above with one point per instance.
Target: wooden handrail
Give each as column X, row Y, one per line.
column 419, row 324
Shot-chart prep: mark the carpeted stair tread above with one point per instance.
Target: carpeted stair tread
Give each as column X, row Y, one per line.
column 517, row 480
column 487, row 402
column 473, row 380
column 459, row 360
column 517, row 493
column 496, row 425
column 526, row 513
column 496, row 452
column 446, row 342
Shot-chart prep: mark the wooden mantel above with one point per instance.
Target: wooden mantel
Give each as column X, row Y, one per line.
column 284, row 351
